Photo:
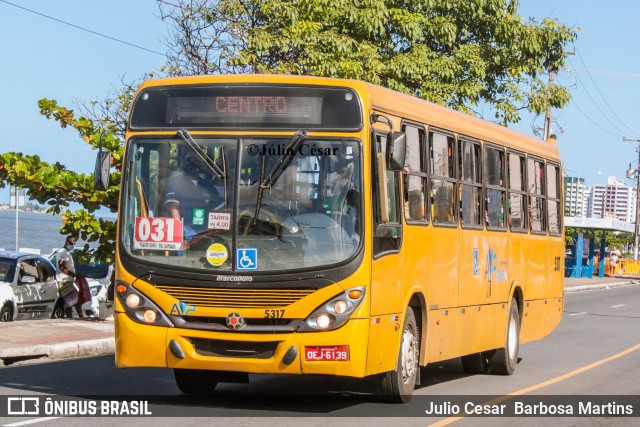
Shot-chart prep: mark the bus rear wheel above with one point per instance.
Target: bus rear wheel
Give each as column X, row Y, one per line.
column 196, row 381
column 505, row 359
column 397, row 386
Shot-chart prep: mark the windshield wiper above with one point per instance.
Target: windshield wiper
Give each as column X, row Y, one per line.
column 188, row 139
column 207, row 160
column 281, row 164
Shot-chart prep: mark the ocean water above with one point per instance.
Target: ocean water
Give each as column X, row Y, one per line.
column 35, row 230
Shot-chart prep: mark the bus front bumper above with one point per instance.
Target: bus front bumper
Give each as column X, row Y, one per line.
column 338, row 352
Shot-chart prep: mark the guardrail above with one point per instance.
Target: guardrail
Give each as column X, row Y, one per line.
column 625, row 267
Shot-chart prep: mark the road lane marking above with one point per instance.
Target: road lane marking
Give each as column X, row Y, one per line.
column 37, row 420
column 552, row 381
column 578, row 314
column 618, row 306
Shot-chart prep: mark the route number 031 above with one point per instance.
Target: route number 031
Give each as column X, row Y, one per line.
column 158, row 233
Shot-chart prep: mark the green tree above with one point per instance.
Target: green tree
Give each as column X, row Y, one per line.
column 465, row 54
column 57, row 187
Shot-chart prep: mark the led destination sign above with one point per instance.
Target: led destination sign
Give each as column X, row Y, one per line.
column 242, row 107
column 246, row 109
column 251, row 104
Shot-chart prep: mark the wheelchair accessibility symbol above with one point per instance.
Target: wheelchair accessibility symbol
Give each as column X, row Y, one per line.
column 247, row 259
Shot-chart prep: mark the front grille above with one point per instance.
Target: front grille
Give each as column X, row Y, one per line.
column 239, row 349
column 237, row 298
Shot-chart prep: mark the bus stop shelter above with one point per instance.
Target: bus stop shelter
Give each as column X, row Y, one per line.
column 580, row 262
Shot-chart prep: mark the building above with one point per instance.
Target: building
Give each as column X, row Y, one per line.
column 614, row 200
column 575, row 197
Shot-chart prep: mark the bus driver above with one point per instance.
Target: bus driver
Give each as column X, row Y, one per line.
column 189, row 197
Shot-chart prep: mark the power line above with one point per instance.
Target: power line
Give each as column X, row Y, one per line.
column 598, row 107
column 591, row 120
column 602, row 96
column 83, row 29
column 607, row 73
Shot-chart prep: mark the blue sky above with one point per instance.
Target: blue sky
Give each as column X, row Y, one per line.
column 43, row 58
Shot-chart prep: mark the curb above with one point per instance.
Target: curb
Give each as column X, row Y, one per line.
column 67, row 350
column 599, row 286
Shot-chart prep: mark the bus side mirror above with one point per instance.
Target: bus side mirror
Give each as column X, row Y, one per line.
column 396, row 151
column 101, row 171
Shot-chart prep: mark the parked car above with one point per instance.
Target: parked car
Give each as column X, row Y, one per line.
column 99, row 276
column 28, row 287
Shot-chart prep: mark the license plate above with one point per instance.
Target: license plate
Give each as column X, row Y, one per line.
column 338, row 353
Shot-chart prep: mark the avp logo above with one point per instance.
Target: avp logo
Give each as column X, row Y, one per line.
column 491, row 265
column 182, row 309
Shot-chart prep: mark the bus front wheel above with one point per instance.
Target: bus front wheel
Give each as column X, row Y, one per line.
column 196, row 381
column 397, row 386
column 504, row 359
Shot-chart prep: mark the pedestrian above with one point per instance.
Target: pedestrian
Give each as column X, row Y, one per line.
column 66, row 276
column 614, row 256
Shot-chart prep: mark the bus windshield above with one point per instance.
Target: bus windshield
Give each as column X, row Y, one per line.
column 242, row 205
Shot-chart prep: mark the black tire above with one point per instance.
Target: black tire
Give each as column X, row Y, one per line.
column 196, row 381
column 505, row 359
column 58, row 310
column 477, row 363
column 397, row 386
column 6, row 314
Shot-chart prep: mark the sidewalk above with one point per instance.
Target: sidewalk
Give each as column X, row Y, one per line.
column 32, row 340
column 51, row 339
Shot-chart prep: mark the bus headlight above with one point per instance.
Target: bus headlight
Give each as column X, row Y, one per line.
column 133, row 300
column 341, row 306
column 139, row 308
column 323, row 320
column 335, row 312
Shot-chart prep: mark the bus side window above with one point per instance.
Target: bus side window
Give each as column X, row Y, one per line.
column 553, row 199
column 536, row 184
column 471, row 184
column 443, row 179
column 415, row 176
column 387, row 229
column 518, row 216
column 495, row 209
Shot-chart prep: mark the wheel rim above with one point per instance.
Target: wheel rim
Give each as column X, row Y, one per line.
column 5, row 316
column 409, row 355
column 512, row 342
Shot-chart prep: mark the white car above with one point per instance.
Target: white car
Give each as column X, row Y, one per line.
column 28, row 287
column 99, row 277
column 8, row 306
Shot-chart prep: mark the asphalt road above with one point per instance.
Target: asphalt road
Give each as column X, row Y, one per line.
column 594, row 354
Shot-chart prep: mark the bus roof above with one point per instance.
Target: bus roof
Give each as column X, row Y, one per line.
column 391, row 102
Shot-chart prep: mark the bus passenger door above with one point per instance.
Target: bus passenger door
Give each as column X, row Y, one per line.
column 386, row 271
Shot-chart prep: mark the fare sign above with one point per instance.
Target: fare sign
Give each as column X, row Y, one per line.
column 219, row 221
column 158, row 234
column 337, row 353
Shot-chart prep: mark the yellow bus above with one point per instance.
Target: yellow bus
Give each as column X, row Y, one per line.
column 303, row 225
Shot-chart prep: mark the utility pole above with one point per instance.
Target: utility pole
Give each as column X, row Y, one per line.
column 547, row 116
column 630, row 173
